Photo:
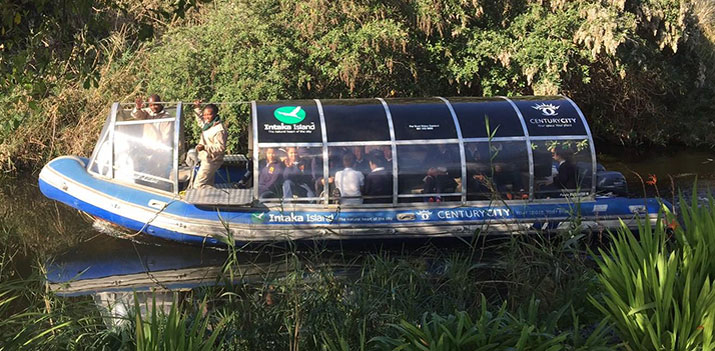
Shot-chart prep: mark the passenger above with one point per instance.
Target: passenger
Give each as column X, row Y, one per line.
column 379, row 181
column 438, row 181
column 335, row 162
column 211, row 147
column 349, row 181
column 566, row 177
column 270, row 176
column 477, row 171
column 361, row 163
column 151, row 153
column 296, row 177
column 155, row 110
column 507, row 181
column 444, row 157
column 387, row 153
column 477, row 184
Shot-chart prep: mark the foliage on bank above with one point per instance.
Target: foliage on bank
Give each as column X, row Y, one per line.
column 642, row 70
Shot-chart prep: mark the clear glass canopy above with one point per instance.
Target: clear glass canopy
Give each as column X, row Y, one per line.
column 375, row 151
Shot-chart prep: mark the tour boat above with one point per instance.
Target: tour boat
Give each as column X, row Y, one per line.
column 443, row 167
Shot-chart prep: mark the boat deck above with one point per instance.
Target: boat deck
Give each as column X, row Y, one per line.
column 225, row 194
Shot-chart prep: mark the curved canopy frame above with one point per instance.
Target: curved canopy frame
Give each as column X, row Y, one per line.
column 398, row 126
column 396, row 123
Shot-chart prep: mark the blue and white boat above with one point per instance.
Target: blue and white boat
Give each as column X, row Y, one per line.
column 451, row 167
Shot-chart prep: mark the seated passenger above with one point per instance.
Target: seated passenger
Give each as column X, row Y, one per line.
column 566, row 177
column 361, row 163
column 296, row 177
column 387, row 153
column 438, row 181
column 507, row 181
column 445, row 157
column 379, row 181
column 211, row 147
column 477, row 183
column 349, row 181
column 270, row 176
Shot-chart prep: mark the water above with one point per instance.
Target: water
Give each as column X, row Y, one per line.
column 682, row 166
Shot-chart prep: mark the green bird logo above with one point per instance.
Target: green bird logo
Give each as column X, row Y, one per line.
column 258, row 218
column 289, row 114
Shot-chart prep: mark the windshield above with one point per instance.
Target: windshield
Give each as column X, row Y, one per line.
column 139, row 147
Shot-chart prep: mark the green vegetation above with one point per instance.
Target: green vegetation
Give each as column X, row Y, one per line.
column 523, row 293
column 642, row 70
column 660, row 292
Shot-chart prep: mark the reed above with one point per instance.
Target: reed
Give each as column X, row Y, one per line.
column 176, row 330
column 658, row 290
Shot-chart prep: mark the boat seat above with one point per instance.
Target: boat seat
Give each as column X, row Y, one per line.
column 221, row 195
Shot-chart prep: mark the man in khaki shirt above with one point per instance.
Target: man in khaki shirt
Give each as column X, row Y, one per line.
column 160, row 132
column 152, row 150
column 212, row 145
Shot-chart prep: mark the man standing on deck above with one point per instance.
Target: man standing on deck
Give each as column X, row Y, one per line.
column 211, row 147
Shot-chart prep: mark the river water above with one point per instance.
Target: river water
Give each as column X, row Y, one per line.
column 40, row 231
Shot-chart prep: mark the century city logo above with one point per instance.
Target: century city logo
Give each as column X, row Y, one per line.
column 548, row 110
column 289, row 114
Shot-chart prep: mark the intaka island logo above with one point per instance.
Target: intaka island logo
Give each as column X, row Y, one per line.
column 548, row 110
column 289, row 114
column 259, row 217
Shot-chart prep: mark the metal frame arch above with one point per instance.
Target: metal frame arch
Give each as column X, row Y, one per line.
column 528, row 146
column 462, row 153
column 103, row 138
column 393, row 148
column 254, row 112
column 590, row 143
column 177, row 131
column 326, row 158
column 115, row 110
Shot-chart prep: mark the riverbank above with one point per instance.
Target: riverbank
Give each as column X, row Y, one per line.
column 648, row 80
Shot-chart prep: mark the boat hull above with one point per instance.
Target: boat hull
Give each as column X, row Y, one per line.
column 65, row 179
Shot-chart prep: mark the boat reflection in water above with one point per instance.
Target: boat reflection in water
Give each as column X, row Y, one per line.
column 117, row 272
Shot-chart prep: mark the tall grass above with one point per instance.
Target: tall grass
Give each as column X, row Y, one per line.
column 176, row 330
column 658, row 290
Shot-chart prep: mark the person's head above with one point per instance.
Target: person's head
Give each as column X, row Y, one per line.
column 375, row 160
column 358, row 151
column 209, row 112
column 292, row 155
column 270, row 154
column 154, row 104
column 387, row 151
column 561, row 154
column 348, row 160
